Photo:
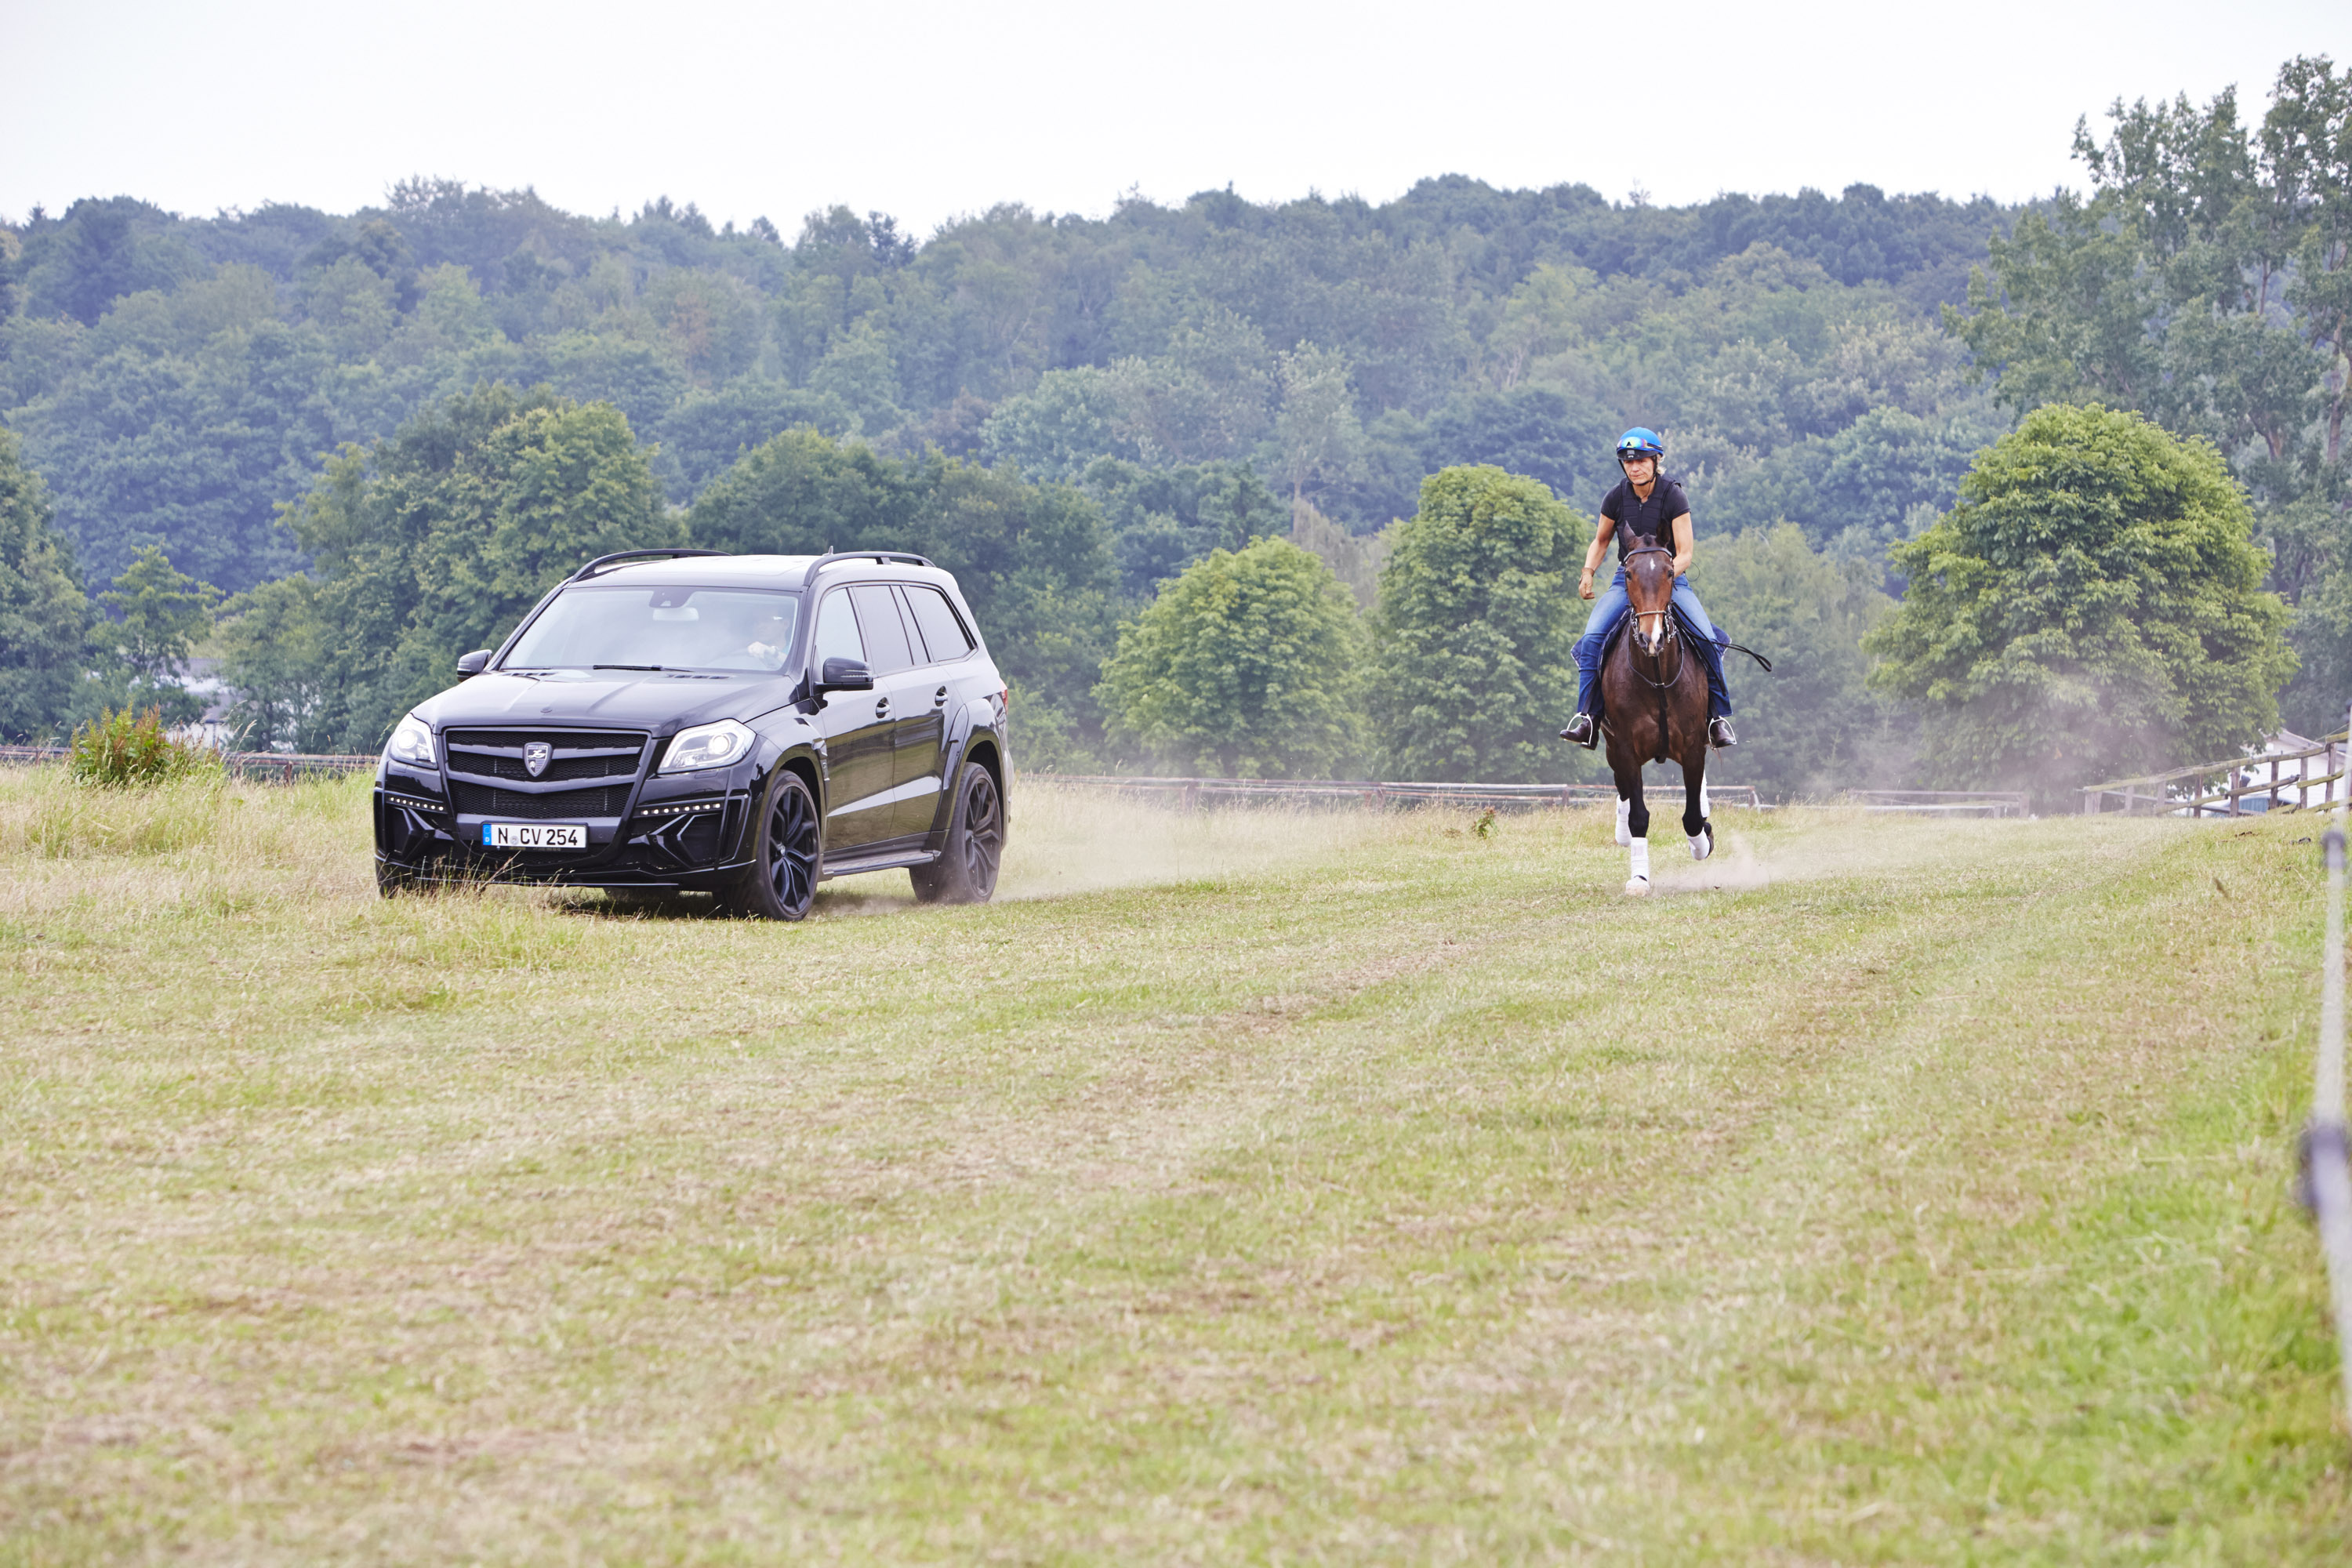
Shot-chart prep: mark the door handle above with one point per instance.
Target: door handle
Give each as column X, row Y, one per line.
column 939, row 698
column 881, row 707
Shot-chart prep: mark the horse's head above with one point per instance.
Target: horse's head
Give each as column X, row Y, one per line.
column 1650, row 591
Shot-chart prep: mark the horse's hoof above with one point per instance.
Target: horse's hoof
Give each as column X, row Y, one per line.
column 1638, row 888
column 1703, row 846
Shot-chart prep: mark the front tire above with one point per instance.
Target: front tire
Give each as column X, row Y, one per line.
column 781, row 882
column 965, row 872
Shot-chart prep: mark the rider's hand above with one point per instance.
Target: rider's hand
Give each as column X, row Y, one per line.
column 1584, row 585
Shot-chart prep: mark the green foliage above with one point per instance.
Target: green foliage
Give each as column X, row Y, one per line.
column 1813, row 726
column 436, row 540
column 1162, row 520
column 1475, row 629
column 128, row 750
column 1250, row 663
column 1034, row 560
column 277, row 654
column 160, row 613
column 2207, row 282
column 176, row 380
column 2092, row 608
column 44, row 614
column 1860, row 492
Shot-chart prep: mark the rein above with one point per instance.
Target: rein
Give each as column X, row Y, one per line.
column 1668, row 633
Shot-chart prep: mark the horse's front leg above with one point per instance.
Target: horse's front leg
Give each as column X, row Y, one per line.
column 1698, row 825
column 1634, row 824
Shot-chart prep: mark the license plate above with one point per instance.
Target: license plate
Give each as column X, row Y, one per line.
column 534, row 835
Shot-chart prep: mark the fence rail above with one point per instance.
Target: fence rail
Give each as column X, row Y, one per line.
column 1943, row 801
column 2184, row 792
column 259, row 767
column 1372, row 792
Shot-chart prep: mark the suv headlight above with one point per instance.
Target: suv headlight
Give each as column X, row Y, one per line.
column 411, row 743
column 708, row 746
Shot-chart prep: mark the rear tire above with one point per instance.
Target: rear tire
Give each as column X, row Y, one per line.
column 965, row 872
column 781, row 882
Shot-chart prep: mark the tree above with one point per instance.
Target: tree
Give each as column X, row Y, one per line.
column 437, row 540
column 1033, row 560
column 1475, row 629
column 1318, row 431
column 44, row 614
column 703, row 436
column 2093, row 608
column 1163, row 520
column 160, row 615
column 1058, row 428
column 1861, row 491
column 1250, row 662
column 1813, row 722
column 277, row 655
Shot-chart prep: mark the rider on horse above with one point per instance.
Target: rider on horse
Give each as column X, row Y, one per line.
column 1644, row 509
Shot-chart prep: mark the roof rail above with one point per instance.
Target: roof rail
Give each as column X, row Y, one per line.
column 603, row 562
column 880, row 557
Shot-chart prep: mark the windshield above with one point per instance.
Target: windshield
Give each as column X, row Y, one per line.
column 660, row 628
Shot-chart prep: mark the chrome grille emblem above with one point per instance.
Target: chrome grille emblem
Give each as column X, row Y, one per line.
column 534, row 757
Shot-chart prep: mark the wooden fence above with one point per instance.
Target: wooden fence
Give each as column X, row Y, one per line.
column 1192, row 792
column 2190, row 791
column 1943, row 801
column 259, row 767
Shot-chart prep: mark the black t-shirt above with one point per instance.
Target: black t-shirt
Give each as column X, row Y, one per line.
column 1651, row 520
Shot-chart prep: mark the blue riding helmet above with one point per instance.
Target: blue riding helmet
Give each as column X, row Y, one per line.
column 1640, row 442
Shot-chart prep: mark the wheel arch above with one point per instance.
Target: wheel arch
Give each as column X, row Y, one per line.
column 984, row 749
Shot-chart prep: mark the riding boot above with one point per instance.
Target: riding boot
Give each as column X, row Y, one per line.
column 1582, row 731
column 1718, row 732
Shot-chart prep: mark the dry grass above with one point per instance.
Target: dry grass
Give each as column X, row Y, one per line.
column 1331, row 1187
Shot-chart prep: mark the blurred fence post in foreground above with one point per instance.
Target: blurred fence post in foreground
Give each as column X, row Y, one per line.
column 2329, row 1183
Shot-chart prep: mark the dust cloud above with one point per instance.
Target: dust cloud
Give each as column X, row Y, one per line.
column 1066, row 840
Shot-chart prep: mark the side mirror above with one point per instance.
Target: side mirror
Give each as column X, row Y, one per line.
column 473, row 663
column 844, row 674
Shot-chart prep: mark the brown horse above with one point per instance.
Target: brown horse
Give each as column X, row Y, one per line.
column 1654, row 697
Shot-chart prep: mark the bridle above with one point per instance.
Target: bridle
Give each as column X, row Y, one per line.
column 1667, row 634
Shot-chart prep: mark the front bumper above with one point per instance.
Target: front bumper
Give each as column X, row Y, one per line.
column 686, row 832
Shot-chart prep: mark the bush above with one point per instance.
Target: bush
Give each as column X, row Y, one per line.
column 127, row 749
column 2092, row 608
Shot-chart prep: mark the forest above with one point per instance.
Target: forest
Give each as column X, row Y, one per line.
column 330, row 451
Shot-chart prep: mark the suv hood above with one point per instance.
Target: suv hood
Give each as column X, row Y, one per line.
column 660, row 702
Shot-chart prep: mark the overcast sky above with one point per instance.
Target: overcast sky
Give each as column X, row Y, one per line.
column 927, row 109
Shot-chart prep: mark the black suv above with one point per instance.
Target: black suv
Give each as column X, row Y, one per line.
column 745, row 725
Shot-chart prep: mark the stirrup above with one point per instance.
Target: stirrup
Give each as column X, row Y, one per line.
column 1719, row 735
column 1582, row 731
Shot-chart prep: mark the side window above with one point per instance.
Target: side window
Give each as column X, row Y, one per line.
column 886, row 636
column 943, row 633
column 836, row 633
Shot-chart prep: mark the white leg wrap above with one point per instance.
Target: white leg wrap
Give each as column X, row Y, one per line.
column 1704, row 845
column 1705, row 807
column 1624, row 815
column 1638, row 875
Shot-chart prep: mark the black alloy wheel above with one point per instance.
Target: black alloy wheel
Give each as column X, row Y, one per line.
column 781, row 882
column 965, row 872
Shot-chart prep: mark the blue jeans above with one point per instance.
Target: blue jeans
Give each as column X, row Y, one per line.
column 1608, row 607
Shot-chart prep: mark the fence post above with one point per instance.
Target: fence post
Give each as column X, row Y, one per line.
column 2329, row 1184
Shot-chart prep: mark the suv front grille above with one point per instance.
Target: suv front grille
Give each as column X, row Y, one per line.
column 564, row 805
column 575, row 754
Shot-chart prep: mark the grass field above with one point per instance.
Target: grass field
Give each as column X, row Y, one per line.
column 1238, row 1188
